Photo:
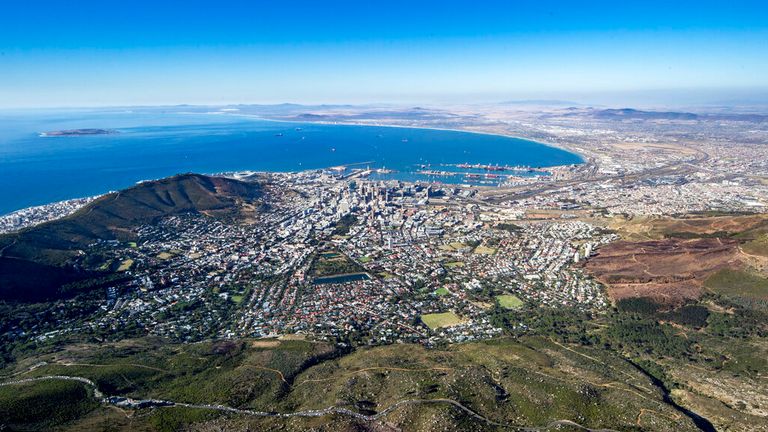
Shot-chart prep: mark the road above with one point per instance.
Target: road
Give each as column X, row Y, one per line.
column 156, row 403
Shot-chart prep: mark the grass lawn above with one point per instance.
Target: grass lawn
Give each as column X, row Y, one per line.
column 125, row 265
column 445, row 319
column 509, row 301
column 365, row 259
column 237, row 298
column 164, row 255
column 442, row 291
column 457, row 245
column 484, row 250
column 453, row 264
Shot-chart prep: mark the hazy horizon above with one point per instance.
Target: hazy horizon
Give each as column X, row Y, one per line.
column 650, row 99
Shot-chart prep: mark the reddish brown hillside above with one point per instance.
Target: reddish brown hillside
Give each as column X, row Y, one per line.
column 670, row 271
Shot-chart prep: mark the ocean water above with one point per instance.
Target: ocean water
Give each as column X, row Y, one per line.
column 153, row 144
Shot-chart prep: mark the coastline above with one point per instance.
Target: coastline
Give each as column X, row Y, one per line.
column 26, row 217
column 584, row 158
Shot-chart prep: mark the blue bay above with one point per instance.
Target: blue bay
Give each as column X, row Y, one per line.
column 37, row 170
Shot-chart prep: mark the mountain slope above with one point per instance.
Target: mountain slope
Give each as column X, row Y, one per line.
column 50, row 248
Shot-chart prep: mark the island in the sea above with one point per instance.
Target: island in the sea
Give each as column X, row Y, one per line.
column 78, row 132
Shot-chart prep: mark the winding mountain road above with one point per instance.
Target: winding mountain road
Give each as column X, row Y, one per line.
column 146, row 403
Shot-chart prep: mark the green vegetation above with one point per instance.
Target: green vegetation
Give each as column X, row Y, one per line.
column 442, row 291
column 527, row 381
column 694, row 316
column 738, row 283
column 333, row 263
column 508, row 227
column 640, row 305
column 242, row 374
column 492, row 378
column 43, row 404
column 509, row 301
column 638, row 336
column 566, row 325
column 740, row 323
column 696, row 235
column 176, row 419
column 473, row 243
column 444, row 319
column 36, row 261
column 758, row 246
column 344, row 224
column 746, row 360
column 747, row 289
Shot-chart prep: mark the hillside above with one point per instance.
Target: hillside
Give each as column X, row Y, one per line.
column 51, row 248
column 669, row 259
column 670, row 271
column 496, row 385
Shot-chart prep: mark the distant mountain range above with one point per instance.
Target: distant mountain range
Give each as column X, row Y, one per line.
column 629, row 113
column 415, row 113
column 36, row 263
column 541, row 102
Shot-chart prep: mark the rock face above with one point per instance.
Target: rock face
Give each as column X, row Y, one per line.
column 35, row 262
column 670, row 271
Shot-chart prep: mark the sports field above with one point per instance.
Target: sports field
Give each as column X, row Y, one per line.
column 442, row 291
column 437, row 320
column 509, row 301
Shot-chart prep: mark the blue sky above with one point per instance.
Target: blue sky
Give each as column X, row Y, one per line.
column 88, row 53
